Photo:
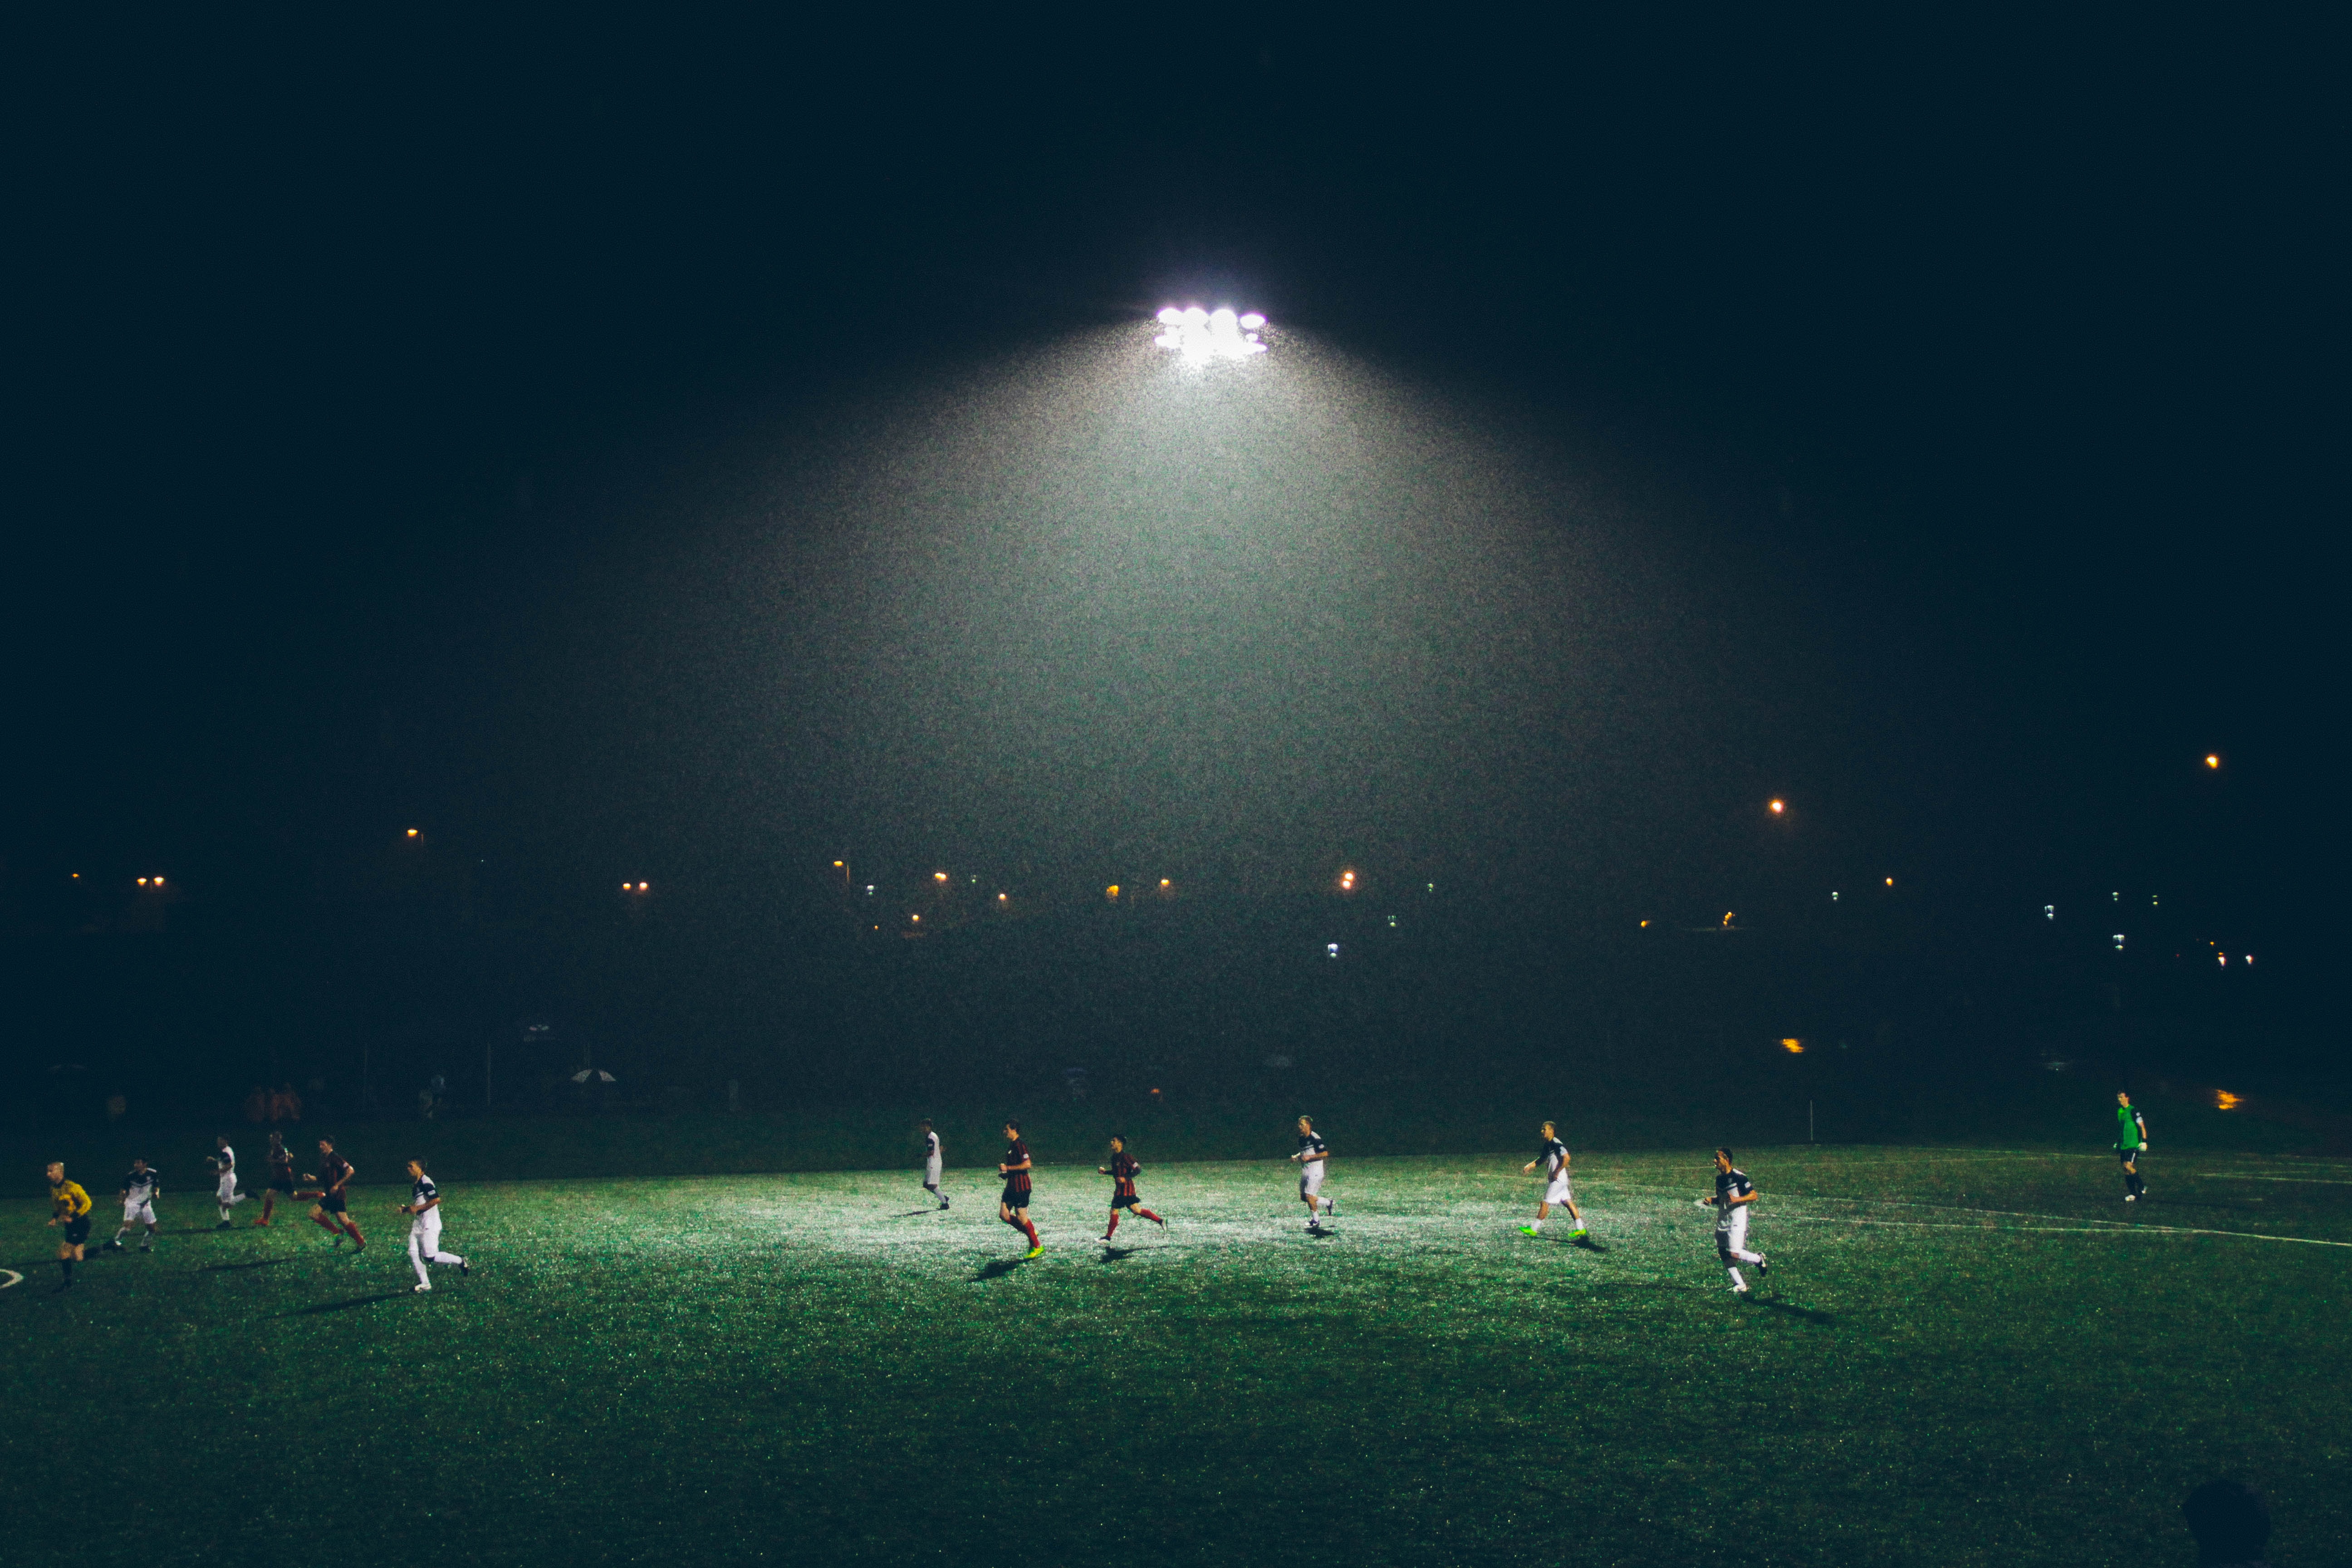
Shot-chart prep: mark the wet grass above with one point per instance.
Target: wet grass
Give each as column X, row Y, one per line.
column 1961, row 1356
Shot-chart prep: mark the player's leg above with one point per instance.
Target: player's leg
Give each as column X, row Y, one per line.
column 1035, row 1246
column 1154, row 1218
column 417, row 1253
column 351, row 1229
column 326, row 1220
column 1112, row 1228
column 268, row 1203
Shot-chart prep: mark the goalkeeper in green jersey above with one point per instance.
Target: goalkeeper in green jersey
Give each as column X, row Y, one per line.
column 2131, row 1142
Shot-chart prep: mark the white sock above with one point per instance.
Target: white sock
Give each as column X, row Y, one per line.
column 1535, row 1224
column 123, row 1232
column 1737, row 1282
column 224, row 1209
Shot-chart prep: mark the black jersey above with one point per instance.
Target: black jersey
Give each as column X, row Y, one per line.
column 1018, row 1154
column 422, row 1191
column 333, row 1171
column 1553, row 1156
column 1311, row 1148
column 281, row 1163
column 139, row 1187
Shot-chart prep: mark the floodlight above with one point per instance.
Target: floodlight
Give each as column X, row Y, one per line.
column 1199, row 335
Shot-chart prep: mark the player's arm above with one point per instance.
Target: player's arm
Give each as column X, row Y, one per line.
column 345, row 1179
column 1734, row 1199
column 431, row 1203
column 2143, row 1127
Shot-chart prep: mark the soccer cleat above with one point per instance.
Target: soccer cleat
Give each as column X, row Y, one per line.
column 146, row 1246
column 1579, row 1233
column 114, row 1246
column 1105, row 1237
column 2131, row 1197
column 1160, row 1223
column 423, row 1286
column 1740, row 1290
column 1762, row 1267
column 461, row 1267
column 1530, row 1230
column 1037, row 1251
column 222, row 1225
column 1331, row 1207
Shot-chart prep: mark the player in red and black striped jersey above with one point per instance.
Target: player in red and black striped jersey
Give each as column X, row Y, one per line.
column 333, row 1211
column 1122, row 1170
column 1013, row 1207
column 281, row 1176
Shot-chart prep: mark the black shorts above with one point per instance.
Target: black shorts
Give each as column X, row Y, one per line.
column 1015, row 1197
column 1129, row 1202
column 78, row 1230
column 2127, row 1155
column 332, row 1201
column 282, row 1185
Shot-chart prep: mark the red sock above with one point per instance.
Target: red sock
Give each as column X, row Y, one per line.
column 328, row 1224
column 1030, row 1227
column 1114, row 1223
column 1150, row 1216
column 353, row 1231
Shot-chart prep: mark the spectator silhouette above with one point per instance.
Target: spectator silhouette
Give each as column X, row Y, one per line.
column 2230, row 1523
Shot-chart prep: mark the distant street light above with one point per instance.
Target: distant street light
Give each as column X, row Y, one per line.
column 1347, row 881
column 2212, row 760
column 1777, row 806
column 412, row 833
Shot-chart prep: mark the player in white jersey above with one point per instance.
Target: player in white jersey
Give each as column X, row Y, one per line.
column 1553, row 1158
column 141, row 1189
column 932, row 1164
column 1735, row 1194
column 423, row 1209
column 1312, row 1152
column 224, row 1162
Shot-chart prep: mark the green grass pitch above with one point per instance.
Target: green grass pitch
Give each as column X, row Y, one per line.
column 1960, row 1356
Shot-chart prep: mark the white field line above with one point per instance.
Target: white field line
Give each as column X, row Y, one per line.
column 2250, row 1176
column 13, row 1278
column 2115, row 1228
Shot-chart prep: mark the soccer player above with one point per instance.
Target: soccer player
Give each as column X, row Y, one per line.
column 1013, row 1207
column 332, row 1210
column 2131, row 1142
column 1122, row 1170
column 225, row 1163
column 1553, row 1158
column 281, row 1176
column 424, row 1206
column 141, row 1189
column 1734, row 1192
column 1312, row 1152
column 70, row 1206
column 932, row 1164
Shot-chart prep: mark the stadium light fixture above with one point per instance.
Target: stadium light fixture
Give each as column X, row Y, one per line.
column 1777, row 806
column 1795, row 1048
column 2212, row 760
column 412, row 833
column 1198, row 336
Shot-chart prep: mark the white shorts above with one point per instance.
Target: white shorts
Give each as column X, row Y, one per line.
column 1557, row 1194
column 931, row 1172
column 1731, row 1230
column 141, row 1212
column 1310, row 1178
column 427, row 1228
column 227, row 1186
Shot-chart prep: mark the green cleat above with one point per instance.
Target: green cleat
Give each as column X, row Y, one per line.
column 1035, row 1252
column 1530, row 1230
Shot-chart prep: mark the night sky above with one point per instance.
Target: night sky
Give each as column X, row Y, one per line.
column 698, row 454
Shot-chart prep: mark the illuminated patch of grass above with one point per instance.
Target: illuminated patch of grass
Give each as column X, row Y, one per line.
column 1961, row 1357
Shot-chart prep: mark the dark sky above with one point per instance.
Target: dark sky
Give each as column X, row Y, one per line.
column 626, row 442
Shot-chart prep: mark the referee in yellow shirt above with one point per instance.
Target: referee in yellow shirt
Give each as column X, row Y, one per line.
column 71, row 1206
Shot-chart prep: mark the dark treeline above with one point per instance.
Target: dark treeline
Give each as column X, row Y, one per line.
column 816, row 994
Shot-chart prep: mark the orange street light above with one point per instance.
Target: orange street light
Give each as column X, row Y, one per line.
column 939, row 876
column 1112, row 891
column 1778, row 806
column 2213, row 760
column 412, row 833
column 1347, row 881
column 1794, row 1047
column 1890, row 881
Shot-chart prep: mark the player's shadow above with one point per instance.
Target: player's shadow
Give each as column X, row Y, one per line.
column 1809, row 1314
column 233, row 1268
column 345, row 1306
column 1113, row 1254
column 997, row 1270
column 916, row 1214
column 1587, row 1244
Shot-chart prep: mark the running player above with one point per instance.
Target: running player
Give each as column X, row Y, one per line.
column 1013, row 1207
column 424, row 1206
column 141, row 1189
column 69, row 1207
column 1734, row 1195
column 225, row 1161
column 1122, row 1170
column 1311, row 1154
column 2131, row 1142
column 281, row 1176
column 332, row 1210
column 1553, row 1158
column 931, row 1162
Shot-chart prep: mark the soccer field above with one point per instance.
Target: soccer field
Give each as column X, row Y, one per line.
column 1960, row 1356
